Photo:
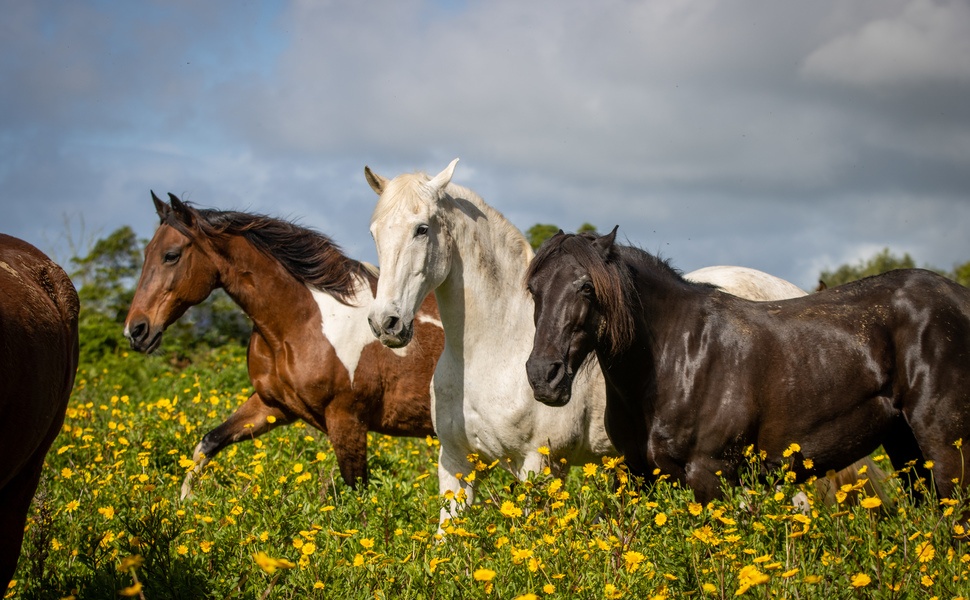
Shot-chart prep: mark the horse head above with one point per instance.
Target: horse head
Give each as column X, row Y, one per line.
column 176, row 275
column 565, row 280
column 413, row 249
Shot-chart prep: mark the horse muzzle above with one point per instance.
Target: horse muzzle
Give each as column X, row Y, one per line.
column 391, row 330
column 142, row 337
column 551, row 381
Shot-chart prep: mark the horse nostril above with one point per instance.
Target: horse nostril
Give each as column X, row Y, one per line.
column 554, row 372
column 139, row 330
column 390, row 324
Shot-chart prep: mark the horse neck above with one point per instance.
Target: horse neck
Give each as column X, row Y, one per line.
column 484, row 292
column 262, row 287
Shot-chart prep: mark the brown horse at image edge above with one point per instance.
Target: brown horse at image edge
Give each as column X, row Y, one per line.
column 694, row 376
column 311, row 355
column 38, row 362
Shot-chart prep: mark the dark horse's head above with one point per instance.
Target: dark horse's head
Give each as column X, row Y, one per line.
column 177, row 274
column 579, row 298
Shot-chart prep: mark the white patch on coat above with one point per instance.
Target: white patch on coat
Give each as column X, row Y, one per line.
column 346, row 326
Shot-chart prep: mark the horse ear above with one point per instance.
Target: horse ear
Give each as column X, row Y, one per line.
column 181, row 211
column 605, row 243
column 164, row 210
column 439, row 181
column 376, row 182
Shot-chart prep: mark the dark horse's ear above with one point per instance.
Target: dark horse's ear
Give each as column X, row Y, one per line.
column 164, row 210
column 604, row 244
column 181, row 211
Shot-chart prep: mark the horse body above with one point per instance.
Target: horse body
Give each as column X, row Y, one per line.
column 432, row 235
column 311, row 356
column 38, row 362
column 694, row 375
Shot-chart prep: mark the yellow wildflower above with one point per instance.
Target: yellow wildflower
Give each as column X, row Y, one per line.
column 483, row 574
column 270, row 564
column 871, row 502
column 860, row 580
column 748, row 577
column 925, row 552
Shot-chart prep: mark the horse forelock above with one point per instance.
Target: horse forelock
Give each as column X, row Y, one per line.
column 408, row 192
column 613, row 288
column 308, row 255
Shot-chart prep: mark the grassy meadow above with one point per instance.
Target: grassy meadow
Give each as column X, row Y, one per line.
column 271, row 518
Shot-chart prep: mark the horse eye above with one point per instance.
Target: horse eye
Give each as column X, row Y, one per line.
column 421, row 230
column 587, row 287
column 172, row 257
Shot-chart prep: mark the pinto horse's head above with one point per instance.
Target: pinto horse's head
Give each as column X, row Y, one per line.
column 176, row 275
column 413, row 249
column 572, row 291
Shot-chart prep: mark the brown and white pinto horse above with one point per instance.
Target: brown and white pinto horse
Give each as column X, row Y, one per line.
column 38, row 362
column 694, row 376
column 312, row 355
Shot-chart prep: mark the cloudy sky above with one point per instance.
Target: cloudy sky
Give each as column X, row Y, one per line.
column 785, row 136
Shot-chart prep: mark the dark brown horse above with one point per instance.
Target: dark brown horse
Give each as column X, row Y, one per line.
column 311, row 355
column 694, row 375
column 38, row 362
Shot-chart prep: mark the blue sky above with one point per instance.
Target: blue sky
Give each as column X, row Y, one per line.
column 789, row 137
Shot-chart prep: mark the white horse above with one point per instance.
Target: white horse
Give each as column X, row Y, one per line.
column 433, row 235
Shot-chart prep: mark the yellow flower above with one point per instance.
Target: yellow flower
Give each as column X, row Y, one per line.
column 206, row 546
column 793, row 448
column 270, row 419
column 367, row 543
column 270, row 564
column 660, row 519
column 611, row 591
column 435, row 562
column 544, row 450
column 694, row 508
column 66, row 473
column 298, row 467
column 182, row 550
column 748, row 577
column 809, row 463
column 483, row 574
column 529, row 596
column 510, row 510
column 358, row 560
column 871, row 502
column 132, row 590
column 860, row 580
column 633, row 560
column 549, row 588
column 927, row 581
column 72, row 505
column 790, row 573
column 107, row 511
column 589, row 469
column 925, row 552
column 710, row 588
column 308, row 548
column 131, row 562
column 928, row 464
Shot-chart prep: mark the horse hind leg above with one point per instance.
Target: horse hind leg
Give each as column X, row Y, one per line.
column 250, row 421
column 907, row 458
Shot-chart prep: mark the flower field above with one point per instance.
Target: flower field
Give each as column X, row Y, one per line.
column 270, row 518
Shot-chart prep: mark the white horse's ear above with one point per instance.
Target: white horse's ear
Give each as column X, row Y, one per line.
column 375, row 181
column 605, row 243
column 439, row 181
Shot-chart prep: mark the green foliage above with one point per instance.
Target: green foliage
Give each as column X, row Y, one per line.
column 961, row 274
column 882, row 262
column 272, row 519
column 540, row 232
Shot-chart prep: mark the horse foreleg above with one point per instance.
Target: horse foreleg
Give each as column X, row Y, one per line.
column 906, row 456
column 250, row 420
column 348, row 435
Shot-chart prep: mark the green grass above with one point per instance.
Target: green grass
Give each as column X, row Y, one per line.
column 272, row 519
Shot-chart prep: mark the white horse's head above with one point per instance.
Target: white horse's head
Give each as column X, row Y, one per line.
column 413, row 248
